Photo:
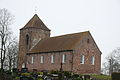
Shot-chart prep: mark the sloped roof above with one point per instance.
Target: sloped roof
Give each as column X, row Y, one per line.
column 36, row 22
column 58, row 43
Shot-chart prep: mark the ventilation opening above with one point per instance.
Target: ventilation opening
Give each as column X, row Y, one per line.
column 27, row 39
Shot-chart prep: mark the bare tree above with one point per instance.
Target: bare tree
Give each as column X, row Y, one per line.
column 112, row 63
column 105, row 69
column 5, row 21
column 116, row 53
column 12, row 54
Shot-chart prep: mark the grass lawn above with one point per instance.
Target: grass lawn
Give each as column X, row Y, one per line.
column 102, row 77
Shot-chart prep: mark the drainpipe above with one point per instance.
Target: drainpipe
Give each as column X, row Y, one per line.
column 61, row 69
column 26, row 61
column 72, row 61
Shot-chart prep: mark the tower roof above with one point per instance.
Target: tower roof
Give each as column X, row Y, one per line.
column 36, row 22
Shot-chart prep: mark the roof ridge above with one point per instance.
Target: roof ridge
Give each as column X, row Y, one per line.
column 69, row 34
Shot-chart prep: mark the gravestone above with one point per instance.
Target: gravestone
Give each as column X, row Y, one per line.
column 24, row 78
column 86, row 77
column 23, row 70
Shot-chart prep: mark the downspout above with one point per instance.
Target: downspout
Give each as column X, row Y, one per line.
column 26, row 60
column 72, row 60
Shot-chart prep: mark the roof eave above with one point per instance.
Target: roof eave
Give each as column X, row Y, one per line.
column 34, row 28
column 29, row 53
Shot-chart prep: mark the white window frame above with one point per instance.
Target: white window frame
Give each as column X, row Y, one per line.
column 82, row 59
column 63, row 58
column 33, row 59
column 52, row 58
column 41, row 59
column 23, row 65
column 92, row 60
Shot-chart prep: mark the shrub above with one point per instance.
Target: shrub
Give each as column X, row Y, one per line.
column 1, row 69
column 8, row 72
column 77, row 79
column 15, row 70
column 40, row 78
column 67, row 74
column 40, row 73
column 30, row 78
column 25, row 74
column 116, row 76
column 75, row 75
column 17, row 78
column 54, row 72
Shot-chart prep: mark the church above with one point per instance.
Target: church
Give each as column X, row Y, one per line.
column 76, row 52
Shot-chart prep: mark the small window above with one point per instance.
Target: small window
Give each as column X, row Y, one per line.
column 41, row 59
column 52, row 58
column 33, row 59
column 92, row 60
column 23, row 65
column 88, row 41
column 27, row 39
column 82, row 58
column 63, row 58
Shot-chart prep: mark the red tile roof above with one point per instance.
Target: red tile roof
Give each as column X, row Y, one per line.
column 58, row 43
column 36, row 22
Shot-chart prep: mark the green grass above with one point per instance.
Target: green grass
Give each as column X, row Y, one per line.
column 102, row 77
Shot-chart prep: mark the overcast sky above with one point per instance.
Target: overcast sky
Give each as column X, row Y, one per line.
column 100, row 17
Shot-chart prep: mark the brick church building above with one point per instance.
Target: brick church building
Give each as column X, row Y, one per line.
column 76, row 52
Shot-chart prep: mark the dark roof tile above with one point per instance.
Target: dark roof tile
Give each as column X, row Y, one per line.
column 36, row 22
column 58, row 43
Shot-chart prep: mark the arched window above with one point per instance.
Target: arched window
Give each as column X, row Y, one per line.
column 63, row 58
column 92, row 60
column 52, row 59
column 23, row 65
column 82, row 59
column 41, row 59
column 33, row 59
column 27, row 39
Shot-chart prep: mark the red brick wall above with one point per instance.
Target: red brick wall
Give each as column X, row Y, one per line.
column 83, row 47
column 47, row 65
column 88, row 50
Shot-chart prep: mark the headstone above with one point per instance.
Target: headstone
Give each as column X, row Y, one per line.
column 87, row 77
column 23, row 70
column 24, row 78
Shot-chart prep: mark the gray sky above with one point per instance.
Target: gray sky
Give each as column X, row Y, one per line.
column 100, row 17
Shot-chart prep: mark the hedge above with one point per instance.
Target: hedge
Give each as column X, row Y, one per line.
column 116, row 76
